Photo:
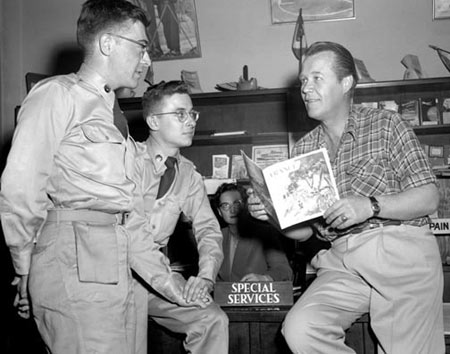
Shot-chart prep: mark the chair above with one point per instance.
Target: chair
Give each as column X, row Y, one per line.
column 33, row 78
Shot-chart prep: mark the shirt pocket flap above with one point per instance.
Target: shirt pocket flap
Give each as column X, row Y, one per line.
column 99, row 134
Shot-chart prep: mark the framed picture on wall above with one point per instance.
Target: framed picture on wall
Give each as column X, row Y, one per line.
column 320, row 10
column 441, row 9
column 173, row 30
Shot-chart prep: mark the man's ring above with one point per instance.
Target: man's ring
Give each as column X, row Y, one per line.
column 344, row 218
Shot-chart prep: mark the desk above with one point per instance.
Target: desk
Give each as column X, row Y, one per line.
column 257, row 332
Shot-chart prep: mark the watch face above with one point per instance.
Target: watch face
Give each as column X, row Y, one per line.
column 375, row 206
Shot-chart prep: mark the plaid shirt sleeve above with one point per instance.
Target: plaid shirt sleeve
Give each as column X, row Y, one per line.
column 408, row 157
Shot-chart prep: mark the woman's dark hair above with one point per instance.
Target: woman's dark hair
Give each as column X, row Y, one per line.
column 343, row 65
column 228, row 187
column 155, row 95
column 102, row 16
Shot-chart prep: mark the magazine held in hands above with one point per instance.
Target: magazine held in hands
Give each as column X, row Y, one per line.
column 295, row 190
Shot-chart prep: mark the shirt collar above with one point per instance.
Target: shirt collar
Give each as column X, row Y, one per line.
column 350, row 128
column 92, row 77
column 157, row 155
column 352, row 123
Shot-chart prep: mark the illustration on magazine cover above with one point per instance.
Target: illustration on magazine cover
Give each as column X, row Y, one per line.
column 298, row 189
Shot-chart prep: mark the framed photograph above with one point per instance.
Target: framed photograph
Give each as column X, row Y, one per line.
column 410, row 111
column 173, row 30
column 238, row 170
column 221, row 165
column 429, row 110
column 436, row 151
column 267, row 155
column 284, row 11
column 441, row 9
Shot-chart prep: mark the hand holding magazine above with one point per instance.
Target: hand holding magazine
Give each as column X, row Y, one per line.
column 295, row 190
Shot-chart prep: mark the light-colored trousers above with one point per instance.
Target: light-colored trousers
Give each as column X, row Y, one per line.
column 206, row 329
column 75, row 317
column 393, row 273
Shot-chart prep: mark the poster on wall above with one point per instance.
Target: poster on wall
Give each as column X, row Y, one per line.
column 173, row 30
column 318, row 10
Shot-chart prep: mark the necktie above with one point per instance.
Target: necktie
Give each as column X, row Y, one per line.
column 168, row 176
column 119, row 119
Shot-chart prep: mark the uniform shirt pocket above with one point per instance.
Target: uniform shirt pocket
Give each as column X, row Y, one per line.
column 164, row 218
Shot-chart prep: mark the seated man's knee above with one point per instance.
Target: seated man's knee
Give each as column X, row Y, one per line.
column 210, row 318
column 217, row 317
column 297, row 331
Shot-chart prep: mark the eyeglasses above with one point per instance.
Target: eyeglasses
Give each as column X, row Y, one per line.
column 144, row 46
column 227, row 206
column 182, row 115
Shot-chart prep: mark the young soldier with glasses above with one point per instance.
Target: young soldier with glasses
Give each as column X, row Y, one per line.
column 169, row 186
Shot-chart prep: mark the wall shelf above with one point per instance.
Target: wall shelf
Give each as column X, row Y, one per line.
column 278, row 116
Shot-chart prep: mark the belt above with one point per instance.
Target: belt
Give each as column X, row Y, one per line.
column 93, row 216
column 369, row 225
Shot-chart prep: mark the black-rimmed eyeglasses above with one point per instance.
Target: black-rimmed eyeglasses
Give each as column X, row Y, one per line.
column 143, row 45
column 182, row 115
column 227, row 206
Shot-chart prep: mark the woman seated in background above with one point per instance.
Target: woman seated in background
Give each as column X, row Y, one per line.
column 252, row 250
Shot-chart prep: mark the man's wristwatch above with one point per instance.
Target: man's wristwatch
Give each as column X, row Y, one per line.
column 375, row 206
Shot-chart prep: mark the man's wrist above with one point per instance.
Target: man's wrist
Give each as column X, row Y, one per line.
column 375, row 205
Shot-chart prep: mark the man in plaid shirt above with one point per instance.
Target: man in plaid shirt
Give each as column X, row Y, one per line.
column 383, row 259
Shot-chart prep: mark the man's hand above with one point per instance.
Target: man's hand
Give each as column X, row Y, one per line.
column 197, row 288
column 255, row 207
column 21, row 300
column 179, row 285
column 256, row 277
column 347, row 212
column 199, row 302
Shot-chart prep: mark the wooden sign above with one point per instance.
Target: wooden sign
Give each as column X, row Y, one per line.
column 261, row 294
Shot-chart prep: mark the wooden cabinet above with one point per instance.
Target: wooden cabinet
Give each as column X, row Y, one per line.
column 255, row 331
column 278, row 116
column 422, row 91
column 261, row 115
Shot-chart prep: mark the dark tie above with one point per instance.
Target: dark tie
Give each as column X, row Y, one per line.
column 168, row 176
column 119, row 119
